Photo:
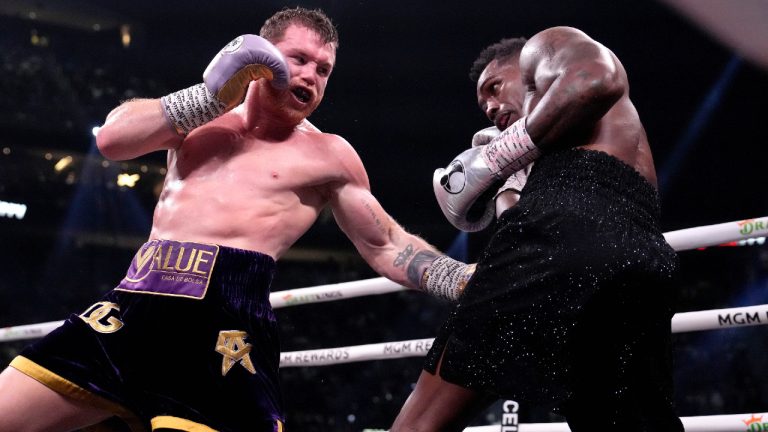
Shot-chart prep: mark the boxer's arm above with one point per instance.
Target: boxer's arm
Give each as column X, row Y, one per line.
column 381, row 241
column 572, row 82
column 385, row 245
column 508, row 194
column 394, row 253
column 135, row 128
column 141, row 126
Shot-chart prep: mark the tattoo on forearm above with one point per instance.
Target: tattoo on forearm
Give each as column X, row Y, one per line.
column 403, row 256
column 375, row 218
column 418, row 264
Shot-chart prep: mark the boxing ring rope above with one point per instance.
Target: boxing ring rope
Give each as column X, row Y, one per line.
column 736, row 233
column 714, row 423
column 681, row 323
column 723, row 234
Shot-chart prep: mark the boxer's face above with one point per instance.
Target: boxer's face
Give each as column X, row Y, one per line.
column 500, row 92
column 310, row 62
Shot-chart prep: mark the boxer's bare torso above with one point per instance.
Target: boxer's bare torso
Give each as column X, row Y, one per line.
column 231, row 186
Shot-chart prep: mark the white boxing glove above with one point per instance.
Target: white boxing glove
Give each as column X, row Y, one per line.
column 465, row 189
column 484, row 136
column 509, row 194
column 516, row 181
column 462, row 191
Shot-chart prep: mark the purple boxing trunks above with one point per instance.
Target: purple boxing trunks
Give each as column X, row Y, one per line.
column 187, row 341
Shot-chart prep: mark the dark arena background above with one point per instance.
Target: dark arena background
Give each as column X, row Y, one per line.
column 70, row 221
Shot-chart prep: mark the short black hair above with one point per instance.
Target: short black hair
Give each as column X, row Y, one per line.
column 502, row 50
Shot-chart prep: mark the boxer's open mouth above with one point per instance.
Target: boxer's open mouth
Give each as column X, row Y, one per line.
column 301, row 94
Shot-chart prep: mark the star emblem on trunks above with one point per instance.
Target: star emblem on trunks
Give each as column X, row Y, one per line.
column 232, row 345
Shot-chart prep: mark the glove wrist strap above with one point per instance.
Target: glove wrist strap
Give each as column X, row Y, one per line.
column 191, row 107
column 446, row 278
column 511, row 151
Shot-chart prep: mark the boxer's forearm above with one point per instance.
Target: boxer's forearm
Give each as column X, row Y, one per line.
column 398, row 255
column 135, row 128
column 419, row 266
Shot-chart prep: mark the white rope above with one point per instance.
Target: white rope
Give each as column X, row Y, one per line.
column 720, row 318
column 691, row 238
column 333, row 292
column 30, row 331
column 279, row 299
column 727, row 423
column 710, row 423
column 744, row 232
column 714, row 235
column 681, row 322
column 686, row 239
column 349, row 354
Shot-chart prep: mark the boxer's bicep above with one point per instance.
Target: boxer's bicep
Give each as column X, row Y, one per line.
column 135, row 128
column 361, row 217
column 356, row 210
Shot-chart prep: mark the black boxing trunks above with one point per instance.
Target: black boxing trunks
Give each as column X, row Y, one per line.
column 571, row 302
column 187, row 341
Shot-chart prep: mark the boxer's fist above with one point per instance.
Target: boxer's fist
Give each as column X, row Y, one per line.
column 465, row 190
column 245, row 59
column 516, row 181
column 226, row 80
column 509, row 194
column 484, row 136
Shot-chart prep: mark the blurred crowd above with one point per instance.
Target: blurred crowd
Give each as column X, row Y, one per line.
column 64, row 83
